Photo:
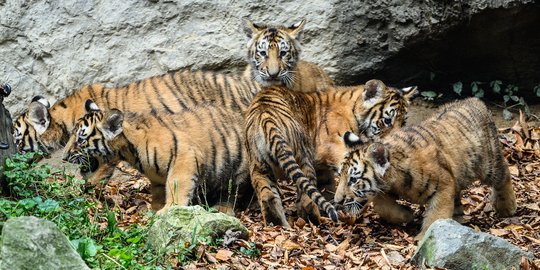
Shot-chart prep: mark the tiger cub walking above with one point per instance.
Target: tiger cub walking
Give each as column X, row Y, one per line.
column 429, row 163
column 200, row 148
column 288, row 133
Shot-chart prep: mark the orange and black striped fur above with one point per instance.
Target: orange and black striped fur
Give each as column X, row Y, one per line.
column 429, row 163
column 177, row 90
column 201, row 149
column 288, row 133
column 273, row 56
column 172, row 93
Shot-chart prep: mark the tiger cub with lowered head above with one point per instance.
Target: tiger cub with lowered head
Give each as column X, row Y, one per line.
column 273, row 55
column 201, row 148
column 288, row 133
column 431, row 162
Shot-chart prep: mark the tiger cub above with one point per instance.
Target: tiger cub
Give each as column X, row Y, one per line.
column 431, row 162
column 288, row 133
column 273, row 56
column 200, row 148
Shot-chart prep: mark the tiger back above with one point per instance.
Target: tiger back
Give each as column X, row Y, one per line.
column 194, row 156
column 431, row 162
column 273, row 56
column 287, row 134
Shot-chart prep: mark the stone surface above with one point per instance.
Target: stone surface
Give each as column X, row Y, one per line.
column 33, row 243
column 54, row 47
column 448, row 244
column 179, row 224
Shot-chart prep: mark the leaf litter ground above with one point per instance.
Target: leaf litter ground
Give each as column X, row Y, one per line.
column 366, row 242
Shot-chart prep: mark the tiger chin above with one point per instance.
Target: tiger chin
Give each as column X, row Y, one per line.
column 298, row 135
column 192, row 157
column 273, row 56
column 429, row 163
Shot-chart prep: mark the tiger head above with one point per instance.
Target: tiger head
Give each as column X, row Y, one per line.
column 33, row 131
column 273, row 52
column 360, row 175
column 92, row 135
column 383, row 108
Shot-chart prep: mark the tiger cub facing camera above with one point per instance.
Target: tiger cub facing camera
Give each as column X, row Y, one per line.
column 429, row 163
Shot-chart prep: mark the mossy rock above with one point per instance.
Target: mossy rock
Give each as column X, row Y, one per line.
column 184, row 224
column 33, row 243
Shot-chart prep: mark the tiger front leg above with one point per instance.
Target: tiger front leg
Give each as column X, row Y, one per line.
column 441, row 205
column 180, row 185
column 391, row 211
column 268, row 195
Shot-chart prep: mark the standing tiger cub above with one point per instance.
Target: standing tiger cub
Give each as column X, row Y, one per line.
column 274, row 58
column 429, row 163
column 289, row 133
column 200, row 149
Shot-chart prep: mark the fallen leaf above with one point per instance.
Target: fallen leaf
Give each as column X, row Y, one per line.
column 224, row 255
column 290, row 245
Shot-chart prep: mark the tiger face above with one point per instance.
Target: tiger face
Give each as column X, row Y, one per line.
column 34, row 131
column 389, row 113
column 273, row 52
column 91, row 136
column 360, row 174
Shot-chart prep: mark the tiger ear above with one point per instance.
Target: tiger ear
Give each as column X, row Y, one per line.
column 352, row 140
column 409, row 92
column 38, row 115
column 379, row 157
column 251, row 29
column 41, row 100
column 112, row 126
column 295, row 29
column 91, row 106
column 373, row 92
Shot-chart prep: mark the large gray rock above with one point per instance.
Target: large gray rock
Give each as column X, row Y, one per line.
column 54, row 47
column 448, row 244
column 183, row 224
column 33, row 243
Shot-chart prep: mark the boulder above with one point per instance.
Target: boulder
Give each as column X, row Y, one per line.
column 448, row 244
column 184, row 224
column 53, row 47
column 33, row 243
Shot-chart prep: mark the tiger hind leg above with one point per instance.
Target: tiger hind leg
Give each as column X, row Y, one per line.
column 503, row 193
column 458, row 209
column 268, row 196
column 306, row 207
column 158, row 196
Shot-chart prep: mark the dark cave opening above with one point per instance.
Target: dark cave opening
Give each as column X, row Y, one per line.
column 500, row 44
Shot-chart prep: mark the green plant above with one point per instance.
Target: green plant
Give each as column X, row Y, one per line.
column 430, row 95
column 509, row 92
column 252, row 251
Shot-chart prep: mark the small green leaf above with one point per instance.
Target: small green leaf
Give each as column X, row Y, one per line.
column 537, row 90
column 515, row 98
column 506, row 98
column 496, row 86
column 458, row 87
column 480, row 93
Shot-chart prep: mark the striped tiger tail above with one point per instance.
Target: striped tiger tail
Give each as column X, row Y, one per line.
column 284, row 156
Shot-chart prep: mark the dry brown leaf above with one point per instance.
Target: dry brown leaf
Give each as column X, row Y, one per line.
column 290, row 245
column 224, row 255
